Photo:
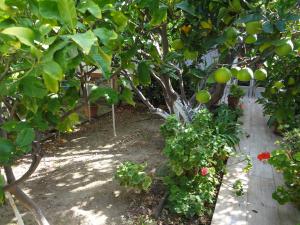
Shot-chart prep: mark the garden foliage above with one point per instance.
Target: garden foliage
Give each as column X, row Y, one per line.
column 132, row 175
column 196, row 154
column 281, row 100
column 287, row 160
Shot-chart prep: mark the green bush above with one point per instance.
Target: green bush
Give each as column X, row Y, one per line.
column 132, row 175
column 197, row 152
column 226, row 124
column 281, row 98
column 236, row 91
column 287, row 161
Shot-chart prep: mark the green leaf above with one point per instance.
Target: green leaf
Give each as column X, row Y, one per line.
column 51, row 83
column 143, row 73
column 249, row 18
column 280, row 25
column 106, row 36
column 48, row 9
column 91, row 6
column 147, row 183
column 25, row 137
column 67, row 12
column 292, row 17
column 109, row 94
column 127, row 96
column 24, row 34
column 14, row 126
column 101, row 60
column 2, row 183
column 33, row 87
column 85, row 40
column 151, row 4
column 191, row 55
column 6, row 151
column 3, row 6
column 2, row 180
column 68, row 57
column 297, row 156
column 53, row 70
column 159, row 16
column 187, row 7
column 268, row 27
column 48, row 55
column 120, row 19
column 68, row 123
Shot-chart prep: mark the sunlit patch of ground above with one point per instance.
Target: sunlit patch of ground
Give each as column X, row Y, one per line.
column 74, row 183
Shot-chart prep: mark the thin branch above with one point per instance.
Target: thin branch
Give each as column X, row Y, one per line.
column 2, row 75
column 15, row 209
column 68, row 113
column 36, row 159
column 152, row 109
column 164, row 39
column 24, row 199
column 182, row 90
column 158, row 79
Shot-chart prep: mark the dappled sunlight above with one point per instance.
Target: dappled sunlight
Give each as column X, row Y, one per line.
column 74, row 183
column 90, row 185
column 256, row 206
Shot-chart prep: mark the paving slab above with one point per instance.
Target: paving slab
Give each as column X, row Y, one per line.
column 256, row 206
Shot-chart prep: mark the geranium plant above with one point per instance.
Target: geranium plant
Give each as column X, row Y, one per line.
column 286, row 160
column 132, row 175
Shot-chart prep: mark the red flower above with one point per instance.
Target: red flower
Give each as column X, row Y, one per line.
column 204, row 171
column 263, row 156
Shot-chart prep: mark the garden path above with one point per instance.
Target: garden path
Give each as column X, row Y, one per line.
column 256, row 206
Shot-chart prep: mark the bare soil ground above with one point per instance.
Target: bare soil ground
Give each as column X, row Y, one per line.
column 74, row 183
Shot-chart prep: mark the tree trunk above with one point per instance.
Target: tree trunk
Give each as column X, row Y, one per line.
column 218, row 92
column 24, row 199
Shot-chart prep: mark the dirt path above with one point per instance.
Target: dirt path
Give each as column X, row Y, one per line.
column 74, row 183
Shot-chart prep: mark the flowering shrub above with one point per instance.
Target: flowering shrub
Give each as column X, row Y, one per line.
column 196, row 153
column 132, row 175
column 287, row 161
column 204, row 171
column 263, row 156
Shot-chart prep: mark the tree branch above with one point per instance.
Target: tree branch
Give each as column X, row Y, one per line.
column 2, row 75
column 152, row 109
column 164, row 39
column 24, row 199
column 36, row 159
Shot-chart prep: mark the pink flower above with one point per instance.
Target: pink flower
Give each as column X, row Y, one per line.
column 204, row 171
column 263, row 156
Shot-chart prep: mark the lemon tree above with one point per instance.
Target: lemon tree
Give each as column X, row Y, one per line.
column 46, row 47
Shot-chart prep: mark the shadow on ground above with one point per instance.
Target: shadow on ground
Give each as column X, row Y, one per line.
column 74, row 183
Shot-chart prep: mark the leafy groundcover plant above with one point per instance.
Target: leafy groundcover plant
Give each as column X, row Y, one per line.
column 196, row 154
column 132, row 175
column 287, row 160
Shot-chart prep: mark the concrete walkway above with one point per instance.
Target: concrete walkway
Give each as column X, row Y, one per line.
column 256, row 206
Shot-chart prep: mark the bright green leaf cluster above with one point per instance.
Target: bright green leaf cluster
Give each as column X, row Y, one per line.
column 132, row 175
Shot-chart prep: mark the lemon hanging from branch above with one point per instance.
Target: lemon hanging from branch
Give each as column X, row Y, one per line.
column 186, row 29
column 203, row 96
column 206, row 24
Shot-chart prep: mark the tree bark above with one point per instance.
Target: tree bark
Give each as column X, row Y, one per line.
column 34, row 164
column 24, row 199
column 218, row 92
column 171, row 96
